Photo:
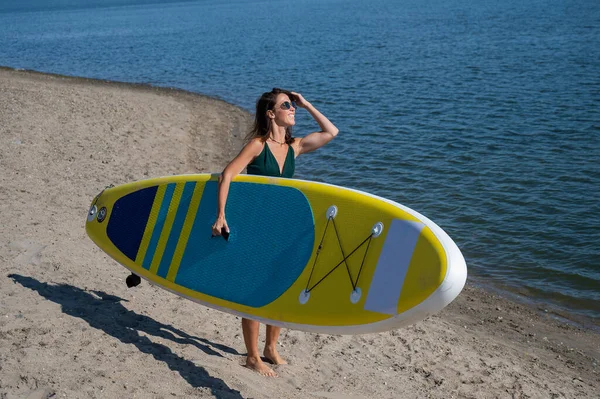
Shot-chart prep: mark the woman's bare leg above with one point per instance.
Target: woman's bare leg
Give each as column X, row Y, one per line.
column 271, row 345
column 253, row 361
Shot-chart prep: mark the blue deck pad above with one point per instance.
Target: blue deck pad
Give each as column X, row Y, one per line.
column 271, row 241
column 128, row 220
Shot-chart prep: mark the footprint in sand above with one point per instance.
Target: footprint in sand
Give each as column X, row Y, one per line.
column 30, row 251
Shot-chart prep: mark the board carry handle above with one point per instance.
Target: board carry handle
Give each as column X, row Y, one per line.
column 224, row 234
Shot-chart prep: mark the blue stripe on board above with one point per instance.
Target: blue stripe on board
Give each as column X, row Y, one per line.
column 182, row 211
column 158, row 227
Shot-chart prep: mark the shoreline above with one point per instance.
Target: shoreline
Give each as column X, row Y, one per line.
column 61, row 329
column 122, row 84
column 537, row 304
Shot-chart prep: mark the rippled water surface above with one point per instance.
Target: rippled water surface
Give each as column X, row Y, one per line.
column 482, row 115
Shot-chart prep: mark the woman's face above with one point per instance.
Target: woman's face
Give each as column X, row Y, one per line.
column 285, row 113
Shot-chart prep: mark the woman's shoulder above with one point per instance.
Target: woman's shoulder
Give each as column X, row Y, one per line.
column 253, row 148
column 256, row 144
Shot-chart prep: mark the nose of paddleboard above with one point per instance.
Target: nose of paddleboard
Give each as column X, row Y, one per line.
column 415, row 264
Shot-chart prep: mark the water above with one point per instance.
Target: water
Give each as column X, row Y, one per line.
column 482, row 115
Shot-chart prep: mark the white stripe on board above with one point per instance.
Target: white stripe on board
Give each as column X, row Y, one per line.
column 392, row 266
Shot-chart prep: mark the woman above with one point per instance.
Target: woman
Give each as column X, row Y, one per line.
column 270, row 151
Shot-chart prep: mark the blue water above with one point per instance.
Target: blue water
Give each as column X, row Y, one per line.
column 483, row 115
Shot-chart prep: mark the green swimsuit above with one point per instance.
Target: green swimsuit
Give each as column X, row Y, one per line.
column 265, row 164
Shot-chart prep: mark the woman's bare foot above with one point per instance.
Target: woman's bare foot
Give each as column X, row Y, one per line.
column 256, row 364
column 273, row 356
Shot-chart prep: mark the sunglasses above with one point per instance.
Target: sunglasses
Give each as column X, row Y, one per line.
column 287, row 105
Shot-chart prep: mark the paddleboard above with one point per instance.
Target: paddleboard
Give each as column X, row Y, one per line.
column 300, row 254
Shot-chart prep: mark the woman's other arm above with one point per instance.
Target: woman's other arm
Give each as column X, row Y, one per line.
column 315, row 140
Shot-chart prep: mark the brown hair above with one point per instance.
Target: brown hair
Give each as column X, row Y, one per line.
column 262, row 123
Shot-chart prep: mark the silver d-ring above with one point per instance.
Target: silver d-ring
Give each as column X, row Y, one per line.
column 355, row 295
column 332, row 212
column 92, row 213
column 377, row 229
column 304, row 296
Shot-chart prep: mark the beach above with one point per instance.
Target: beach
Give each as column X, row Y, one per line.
column 69, row 326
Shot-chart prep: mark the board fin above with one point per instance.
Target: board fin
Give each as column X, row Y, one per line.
column 133, row 280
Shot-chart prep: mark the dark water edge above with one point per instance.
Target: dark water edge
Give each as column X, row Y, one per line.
column 538, row 304
column 512, row 293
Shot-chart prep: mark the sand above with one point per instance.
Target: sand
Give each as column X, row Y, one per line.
column 69, row 326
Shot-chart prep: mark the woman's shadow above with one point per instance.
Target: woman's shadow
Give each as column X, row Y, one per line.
column 106, row 313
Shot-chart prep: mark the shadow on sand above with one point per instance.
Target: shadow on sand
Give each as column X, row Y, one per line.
column 106, row 313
